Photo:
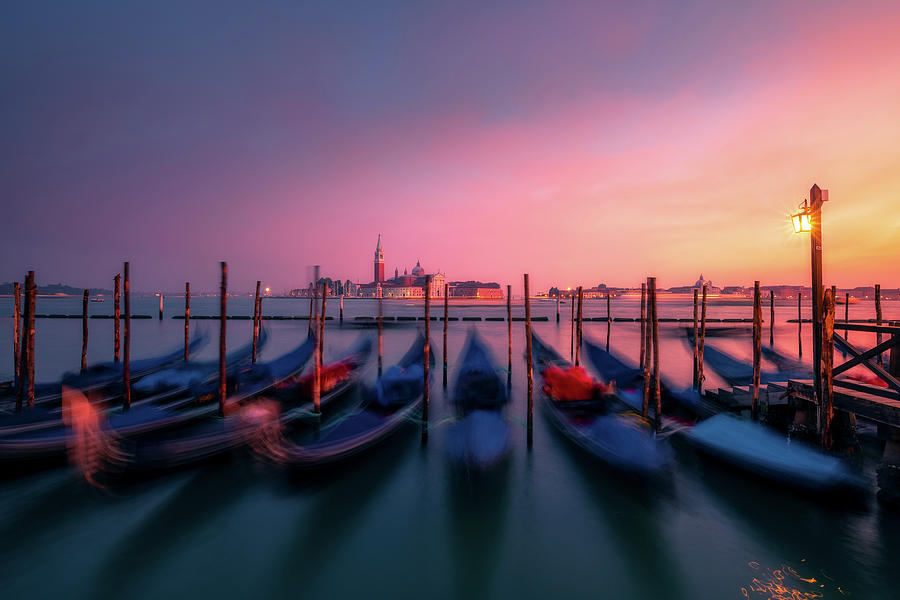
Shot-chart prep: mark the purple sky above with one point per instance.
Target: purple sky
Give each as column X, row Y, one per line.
column 575, row 141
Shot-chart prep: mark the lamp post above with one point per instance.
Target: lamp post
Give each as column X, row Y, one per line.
column 809, row 219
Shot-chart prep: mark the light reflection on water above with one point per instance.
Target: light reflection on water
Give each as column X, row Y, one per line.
column 404, row 521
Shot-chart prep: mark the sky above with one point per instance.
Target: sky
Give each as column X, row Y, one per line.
column 580, row 142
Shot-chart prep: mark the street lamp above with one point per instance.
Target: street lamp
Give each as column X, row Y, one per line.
column 801, row 221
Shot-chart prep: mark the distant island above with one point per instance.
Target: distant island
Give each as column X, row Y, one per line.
column 56, row 289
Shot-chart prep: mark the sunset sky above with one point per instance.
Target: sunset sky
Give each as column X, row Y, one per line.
column 578, row 142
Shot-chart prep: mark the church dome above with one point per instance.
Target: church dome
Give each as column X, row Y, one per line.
column 418, row 270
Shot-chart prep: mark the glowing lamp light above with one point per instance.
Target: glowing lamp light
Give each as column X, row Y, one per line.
column 801, row 223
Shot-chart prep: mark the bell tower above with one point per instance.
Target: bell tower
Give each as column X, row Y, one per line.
column 379, row 261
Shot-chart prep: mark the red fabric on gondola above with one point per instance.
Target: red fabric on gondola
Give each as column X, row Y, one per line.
column 572, row 384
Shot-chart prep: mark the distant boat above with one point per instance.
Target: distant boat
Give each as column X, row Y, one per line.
column 97, row 299
column 848, row 300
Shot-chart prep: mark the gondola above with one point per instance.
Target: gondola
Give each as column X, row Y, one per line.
column 622, row 441
column 50, row 443
column 258, row 423
column 106, row 378
column 762, row 451
column 736, row 372
column 396, row 400
column 480, row 436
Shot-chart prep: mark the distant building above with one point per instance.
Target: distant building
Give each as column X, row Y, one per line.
column 379, row 262
column 475, row 289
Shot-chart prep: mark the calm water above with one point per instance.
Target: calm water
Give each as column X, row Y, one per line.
column 401, row 522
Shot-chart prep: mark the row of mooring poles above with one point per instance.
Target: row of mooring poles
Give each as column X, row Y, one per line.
column 529, row 368
column 649, row 353
column 25, row 383
column 426, row 357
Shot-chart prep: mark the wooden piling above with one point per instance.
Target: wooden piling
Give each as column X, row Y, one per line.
column 578, row 330
column 322, row 330
column 341, row 317
column 126, row 342
column 187, row 320
column 642, row 356
column 608, row 321
column 313, row 292
column 223, row 310
column 256, row 322
column 655, row 327
column 426, row 358
column 647, row 348
column 878, row 319
column 84, row 329
column 847, row 314
column 319, row 352
column 700, row 375
column 24, row 359
column 160, row 305
column 380, row 333
column 771, row 317
column 17, row 344
column 757, row 350
column 827, row 409
column 509, row 333
column 572, row 336
column 695, row 373
column 446, row 320
column 800, row 324
column 529, row 368
column 116, row 315
column 29, row 372
column 557, row 306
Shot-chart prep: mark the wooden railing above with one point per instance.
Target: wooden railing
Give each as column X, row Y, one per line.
column 867, row 358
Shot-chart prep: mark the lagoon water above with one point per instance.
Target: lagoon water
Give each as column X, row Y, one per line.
column 402, row 523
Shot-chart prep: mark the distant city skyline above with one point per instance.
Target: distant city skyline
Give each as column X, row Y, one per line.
column 574, row 141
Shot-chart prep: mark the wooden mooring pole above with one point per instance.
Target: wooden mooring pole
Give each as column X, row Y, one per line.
column 446, row 320
column 847, row 315
column 557, row 306
column 608, row 321
column 757, row 350
column 646, row 348
column 380, row 333
column 320, row 353
column 643, row 351
column 426, row 359
column 509, row 333
column 223, row 316
column 578, row 330
column 572, row 336
column 25, row 373
column 827, row 367
column 696, row 373
column 800, row 324
column 341, row 313
column 529, row 367
column 771, row 317
column 878, row 319
column 256, row 323
column 17, row 344
column 312, row 304
column 116, row 315
column 657, row 396
column 160, row 305
column 187, row 320
column 84, row 329
column 700, row 376
column 126, row 342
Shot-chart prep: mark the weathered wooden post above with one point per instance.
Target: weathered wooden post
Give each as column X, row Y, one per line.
column 847, row 314
column 160, row 305
column 655, row 325
column 771, row 317
column 24, row 382
column 700, row 376
column 116, row 315
column 557, row 306
column 312, row 301
column 800, row 324
column 426, row 358
column 223, row 311
column 341, row 317
column 319, row 353
column 380, row 333
column 529, row 368
column 827, row 404
column 608, row 321
column 816, row 198
column 757, row 350
column 642, row 356
column 578, row 327
column 32, row 303
column 648, row 350
column 126, row 350
column 509, row 333
column 187, row 320
column 696, row 374
column 446, row 320
column 878, row 319
column 322, row 330
column 572, row 336
column 17, row 316
column 256, row 323
column 84, row 329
